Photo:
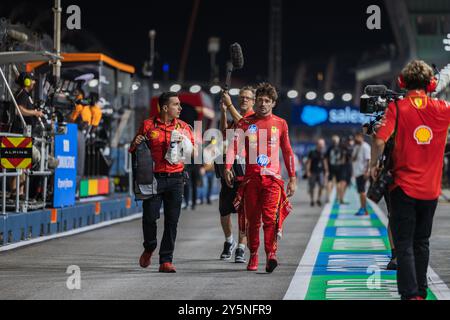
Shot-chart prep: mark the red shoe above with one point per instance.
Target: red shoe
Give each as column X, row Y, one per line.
column 272, row 262
column 167, row 268
column 253, row 262
column 145, row 259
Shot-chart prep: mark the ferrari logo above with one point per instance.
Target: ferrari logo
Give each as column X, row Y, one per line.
column 274, row 129
column 419, row 102
column 423, row 135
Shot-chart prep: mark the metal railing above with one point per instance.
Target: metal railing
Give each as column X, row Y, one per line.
column 42, row 172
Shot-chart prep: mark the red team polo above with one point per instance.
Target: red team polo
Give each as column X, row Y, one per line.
column 419, row 144
column 159, row 134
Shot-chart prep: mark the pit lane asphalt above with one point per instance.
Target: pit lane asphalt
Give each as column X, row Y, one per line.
column 108, row 259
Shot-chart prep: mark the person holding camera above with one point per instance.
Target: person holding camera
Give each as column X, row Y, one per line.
column 228, row 194
column 26, row 82
column 419, row 126
column 164, row 135
column 31, row 115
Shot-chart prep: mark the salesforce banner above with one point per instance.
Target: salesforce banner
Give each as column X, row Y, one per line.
column 313, row 115
column 66, row 173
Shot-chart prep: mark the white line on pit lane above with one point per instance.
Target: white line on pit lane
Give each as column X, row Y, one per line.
column 302, row 277
column 299, row 286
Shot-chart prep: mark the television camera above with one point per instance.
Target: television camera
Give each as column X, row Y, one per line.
column 374, row 102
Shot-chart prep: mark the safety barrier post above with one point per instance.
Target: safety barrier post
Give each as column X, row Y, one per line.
column 19, row 173
column 4, row 193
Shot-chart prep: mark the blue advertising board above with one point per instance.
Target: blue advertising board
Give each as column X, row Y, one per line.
column 315, row 115
column 66, row 173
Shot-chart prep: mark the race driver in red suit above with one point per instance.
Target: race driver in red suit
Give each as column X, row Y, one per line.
column 262, row 194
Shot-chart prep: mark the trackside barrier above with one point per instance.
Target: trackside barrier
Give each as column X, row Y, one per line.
column 16, row 227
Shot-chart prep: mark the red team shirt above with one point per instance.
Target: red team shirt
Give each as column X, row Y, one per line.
column 264, row 137
column 159, row 134
column 419, row 144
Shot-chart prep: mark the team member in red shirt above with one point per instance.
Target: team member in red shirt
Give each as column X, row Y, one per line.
column 262, row 195
column 418, row 158
column 227, row 195
column 158, row 132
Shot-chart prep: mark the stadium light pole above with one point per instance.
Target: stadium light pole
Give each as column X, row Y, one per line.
column 152, row 35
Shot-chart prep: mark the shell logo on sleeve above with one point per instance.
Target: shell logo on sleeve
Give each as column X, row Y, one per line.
column 423, row 135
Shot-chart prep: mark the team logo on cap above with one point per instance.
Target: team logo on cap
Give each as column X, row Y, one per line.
column 423, row 135
column 263, row 160
column 253, row 128
column 154, row 135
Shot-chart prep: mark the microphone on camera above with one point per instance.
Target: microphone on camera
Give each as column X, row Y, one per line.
column 376, row 90
column 379, row 90
column 17, row 35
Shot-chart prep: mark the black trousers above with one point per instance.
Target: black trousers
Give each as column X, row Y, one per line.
column 411, row 222
column 170, row 192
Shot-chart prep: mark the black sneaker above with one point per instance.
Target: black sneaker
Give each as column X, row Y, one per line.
column 312, row 203
column 239, row 256
column 228, row 250
column 392, row 265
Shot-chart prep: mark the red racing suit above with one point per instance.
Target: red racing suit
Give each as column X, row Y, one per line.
column 261, row 196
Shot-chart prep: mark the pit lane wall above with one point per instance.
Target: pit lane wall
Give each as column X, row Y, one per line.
column 17, row 227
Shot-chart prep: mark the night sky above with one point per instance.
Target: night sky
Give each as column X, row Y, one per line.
column 312, row 32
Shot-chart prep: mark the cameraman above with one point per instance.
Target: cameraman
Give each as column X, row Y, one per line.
column 418, row 155
column 26, row 82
